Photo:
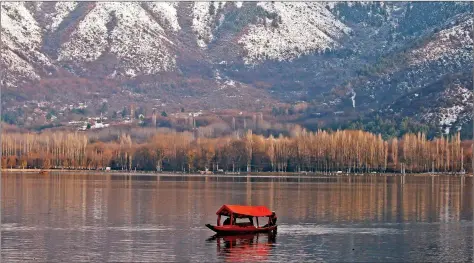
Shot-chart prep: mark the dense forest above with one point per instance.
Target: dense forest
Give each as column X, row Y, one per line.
column 168, row 150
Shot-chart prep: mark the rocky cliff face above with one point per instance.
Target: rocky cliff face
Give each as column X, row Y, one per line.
column 363, row 57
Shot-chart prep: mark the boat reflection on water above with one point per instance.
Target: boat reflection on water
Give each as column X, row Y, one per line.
column 244, row 248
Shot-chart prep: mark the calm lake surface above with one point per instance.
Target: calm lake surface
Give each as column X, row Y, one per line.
column 100, row 218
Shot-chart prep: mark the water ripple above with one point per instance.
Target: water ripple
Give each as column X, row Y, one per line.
column 326, row 230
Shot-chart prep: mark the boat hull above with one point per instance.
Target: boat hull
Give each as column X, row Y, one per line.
column 238, row 230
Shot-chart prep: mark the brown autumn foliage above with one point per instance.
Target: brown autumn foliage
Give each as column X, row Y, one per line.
column 321, row 151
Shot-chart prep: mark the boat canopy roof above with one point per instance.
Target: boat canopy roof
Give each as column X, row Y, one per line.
column 243, row 210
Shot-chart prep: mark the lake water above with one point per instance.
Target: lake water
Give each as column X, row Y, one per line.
column 100, row 218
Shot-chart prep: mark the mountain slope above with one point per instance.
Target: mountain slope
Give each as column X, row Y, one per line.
column 355, row 58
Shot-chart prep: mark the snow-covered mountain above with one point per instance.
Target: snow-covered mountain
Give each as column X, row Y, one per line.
column 234, row 54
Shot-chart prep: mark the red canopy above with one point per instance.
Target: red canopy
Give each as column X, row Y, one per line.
column 244, row 210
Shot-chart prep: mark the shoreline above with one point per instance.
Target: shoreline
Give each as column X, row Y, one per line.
column 243, row 174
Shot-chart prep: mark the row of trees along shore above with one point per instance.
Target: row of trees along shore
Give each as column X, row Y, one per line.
column 343, row 150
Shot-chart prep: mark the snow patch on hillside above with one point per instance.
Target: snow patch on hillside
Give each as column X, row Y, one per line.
column 21, row 39
column 203, row 20
column 19, row 26
column 455, row 43
column 125, row 30
column 300, row 28
column 353, row 96
column 168, row 11
column 224, row 82
column 449, row 115
column 459, row 100
column 62, row 10
column 89, row 40
column 16, row 69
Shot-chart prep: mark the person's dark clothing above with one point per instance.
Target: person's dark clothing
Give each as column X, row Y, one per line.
column 227, row 221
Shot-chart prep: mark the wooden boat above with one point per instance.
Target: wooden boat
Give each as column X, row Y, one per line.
column 43, row 172
column 234, row 212
column 270, row 237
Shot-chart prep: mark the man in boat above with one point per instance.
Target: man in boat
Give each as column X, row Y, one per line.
column 273, row 219
column 227, row 221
